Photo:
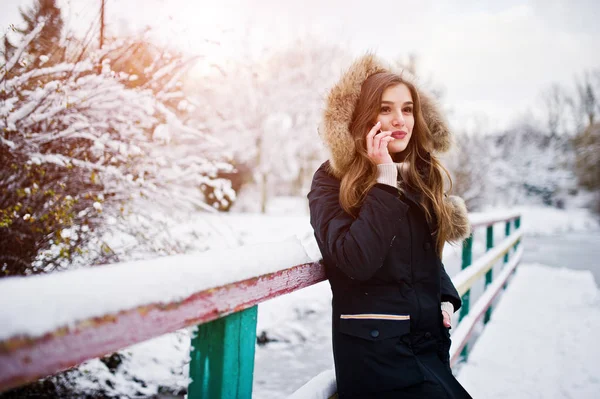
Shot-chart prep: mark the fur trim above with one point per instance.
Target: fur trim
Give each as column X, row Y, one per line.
column 342, row 100
column 334, row 129
column 461, row 227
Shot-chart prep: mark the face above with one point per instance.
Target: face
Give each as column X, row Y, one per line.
column 396, row 115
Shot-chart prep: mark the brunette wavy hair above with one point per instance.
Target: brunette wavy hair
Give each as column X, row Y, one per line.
column 425, row 172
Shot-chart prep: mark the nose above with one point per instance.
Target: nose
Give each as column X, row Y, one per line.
column 398, row 120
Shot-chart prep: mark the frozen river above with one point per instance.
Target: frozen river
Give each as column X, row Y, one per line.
column 579, row 251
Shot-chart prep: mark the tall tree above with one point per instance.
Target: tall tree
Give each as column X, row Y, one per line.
column 556, row 102
column 587, row 166
column 588, row 91
column 46, row 49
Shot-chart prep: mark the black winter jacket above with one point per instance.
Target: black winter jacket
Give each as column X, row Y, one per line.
column 387, row 285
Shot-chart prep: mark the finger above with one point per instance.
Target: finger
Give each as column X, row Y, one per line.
column 374, row 129
column 378, row 137
column 383, row 146
column 383, row 139
column 386, row 133
column 447, row 321
column 376, row 141
column 370, row 136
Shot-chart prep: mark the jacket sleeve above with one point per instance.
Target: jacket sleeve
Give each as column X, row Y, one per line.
column 449, row 292
column 358, row 246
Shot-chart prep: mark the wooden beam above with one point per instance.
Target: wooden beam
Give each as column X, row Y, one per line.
column 25, row 359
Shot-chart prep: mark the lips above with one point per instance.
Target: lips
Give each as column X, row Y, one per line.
column 399, row 134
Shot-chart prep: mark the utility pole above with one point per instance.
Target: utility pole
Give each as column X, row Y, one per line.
column 102, row 24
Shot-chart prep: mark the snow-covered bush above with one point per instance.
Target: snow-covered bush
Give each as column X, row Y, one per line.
column 587, row 162
column 83, row 156
column 587, row 147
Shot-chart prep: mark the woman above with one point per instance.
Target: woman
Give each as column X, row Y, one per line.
column 381, row 219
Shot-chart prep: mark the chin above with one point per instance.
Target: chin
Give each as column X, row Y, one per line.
column 397, row 148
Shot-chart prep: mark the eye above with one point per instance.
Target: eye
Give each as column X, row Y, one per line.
column 408, row 110
column 385, row 109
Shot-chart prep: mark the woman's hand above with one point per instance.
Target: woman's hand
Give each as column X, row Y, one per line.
column 447, row 319
column 377, row 145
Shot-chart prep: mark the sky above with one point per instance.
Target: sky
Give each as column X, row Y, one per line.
column 492, row 59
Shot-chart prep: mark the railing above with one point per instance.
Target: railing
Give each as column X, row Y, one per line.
column 470, row 315
column 49, row 323
column 178, row 292
column 463, row 281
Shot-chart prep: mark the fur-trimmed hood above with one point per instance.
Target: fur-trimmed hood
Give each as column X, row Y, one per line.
column 339, row 108
column 342, row 100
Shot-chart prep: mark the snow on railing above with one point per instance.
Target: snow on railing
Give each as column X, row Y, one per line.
column 484, row 219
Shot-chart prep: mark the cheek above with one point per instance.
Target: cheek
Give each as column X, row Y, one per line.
column 384, row 120
column 410, row 122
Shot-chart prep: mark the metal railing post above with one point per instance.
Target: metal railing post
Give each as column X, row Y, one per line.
column 467, row 256
column 489, row 244
column 506, row 233
column 222, row 357
column 517, row 226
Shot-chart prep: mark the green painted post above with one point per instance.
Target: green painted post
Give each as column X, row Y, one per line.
column 222, row 357
column 489, row 244
column 517, row 226
column 507, row 233
column 467, row 256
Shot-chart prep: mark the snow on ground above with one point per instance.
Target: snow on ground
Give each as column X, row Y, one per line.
column 301, row 325
column 159, row 365
column 542, row 340
column 109, row 289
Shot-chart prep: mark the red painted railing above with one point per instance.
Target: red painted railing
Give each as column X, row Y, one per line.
column 26, row 358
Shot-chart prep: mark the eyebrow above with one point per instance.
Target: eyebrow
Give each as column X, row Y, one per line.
column 391, row 102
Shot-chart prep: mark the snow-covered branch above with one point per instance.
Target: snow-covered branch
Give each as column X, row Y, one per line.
column 20, row 51
column 82, row 147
